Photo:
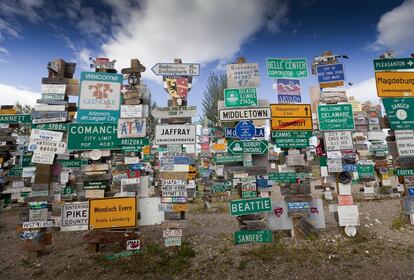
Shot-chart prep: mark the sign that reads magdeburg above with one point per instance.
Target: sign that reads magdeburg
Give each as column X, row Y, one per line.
column 395, row 84
column 84, row 136
column 335, row 117
column 338, row 140
column 75, row 216
column 239, row 97
column 175, row 134
column 99, row 97
column 239, row 114
column 286, row 68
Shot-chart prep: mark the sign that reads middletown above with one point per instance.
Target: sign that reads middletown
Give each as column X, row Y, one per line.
column 286, row 68
column 90, row 136
column 99, row 97
column 175, row 134
column 239, row 114
column 250, row 206
column 335, row 117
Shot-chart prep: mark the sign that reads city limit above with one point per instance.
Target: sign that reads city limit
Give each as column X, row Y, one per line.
column 291, row 117
column 175, row 134
column 239, row 114
column 286, row 67
column 394, row 84
column 239, row 97
column 250, row 206
column 393, row 64
column 335, row 117
column 400, row 112
column 247, row 147
column 89, row 136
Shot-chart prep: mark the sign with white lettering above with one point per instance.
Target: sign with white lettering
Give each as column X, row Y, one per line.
column 338, row 140
column 335, row 117
column 250, row 206
column 101, row 136
column 400, row 112
column 75, row 216
column 132, row 128
column 253, row 113
column 240, row 97
column 286, row 67
column 175, row 134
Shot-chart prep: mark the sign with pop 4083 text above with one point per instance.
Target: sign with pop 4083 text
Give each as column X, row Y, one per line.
column 247, row 147
column 99, row 97
column 90, row 136
column 400, row 112
column 250, row 206
column 335, row 117
column 286, row 67
column 239, row 97
column 252, row 236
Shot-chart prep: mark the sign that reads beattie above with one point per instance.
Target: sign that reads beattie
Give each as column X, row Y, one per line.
column 99, row 97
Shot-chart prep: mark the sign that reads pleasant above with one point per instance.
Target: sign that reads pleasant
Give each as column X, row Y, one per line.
column 395, row 84
column 75, row 216
column 239, row 114
column 83, row 136
column 250, row 206
column 287, row 67
column 247, row 147
column 243, row 75
column 291, row 139
column 291, row 117
column 338, row 140
column 112, row 213
column 335, row 117
column 239, row 97
column 175, row 134
column 393, row 64
column 400, row 112
column 99, row 97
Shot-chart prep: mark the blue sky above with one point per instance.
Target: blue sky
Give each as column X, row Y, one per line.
column 213, row 33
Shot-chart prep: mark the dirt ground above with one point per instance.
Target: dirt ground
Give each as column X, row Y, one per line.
column 383, row 249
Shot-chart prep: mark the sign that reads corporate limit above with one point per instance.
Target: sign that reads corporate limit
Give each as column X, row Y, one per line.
column 256, row 113
column 175, row 134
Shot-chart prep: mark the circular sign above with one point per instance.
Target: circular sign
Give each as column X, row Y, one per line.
column 350, row 231
column 95, row 154
column 401, row 114
column 344, row 177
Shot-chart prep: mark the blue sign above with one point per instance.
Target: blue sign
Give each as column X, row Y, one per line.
column 181, row 160
column 245, row 130
column 330, row 73
column 349, row 167
column 298, row 206
column 410, row 191
column 230, row 132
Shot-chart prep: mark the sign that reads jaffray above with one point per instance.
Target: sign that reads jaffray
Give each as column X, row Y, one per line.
column 99, row 97
column 175, row 134
column 256, row 113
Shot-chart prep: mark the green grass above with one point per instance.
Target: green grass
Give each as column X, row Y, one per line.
column 397, row 223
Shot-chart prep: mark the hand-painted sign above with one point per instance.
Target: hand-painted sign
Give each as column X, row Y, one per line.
column 243, row 75
column 335, row 117
column 393, row 64
column 291, row 139
column 286, row 68
column 330, row 75
column 239, row 114
column 174, row 111
column 288, row 90
column 101, row 136
column 176, row 69
column 46, row 135
column 338, row 140
column 15, row 119
column 252, row 236
column 400, row 112
column 112, row 213
column 245, row 130
column 133, row 111
column 175, row 134
column 291, row 117
column 99, row 97
column 250, row 206
column 131, row 128
column 239, row 97
column 247, row 147
column 395, row 84
column 75, row 216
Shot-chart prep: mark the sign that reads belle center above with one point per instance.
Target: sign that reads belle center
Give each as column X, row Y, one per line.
column 99, row 97
column 286, row 68
column 175, row 134
column 335, row 117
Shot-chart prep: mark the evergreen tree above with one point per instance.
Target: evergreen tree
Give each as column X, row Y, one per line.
column 212, row 94
column 151, row 120
column 23, row 109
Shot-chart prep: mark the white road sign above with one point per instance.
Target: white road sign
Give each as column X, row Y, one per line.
column 405, row 142
column 75, row 216
column 175, row 134
column 46, row 146
column 338, row 140
column 176, row 69
column 238, row 114
column 46, row 135
column 174, row 111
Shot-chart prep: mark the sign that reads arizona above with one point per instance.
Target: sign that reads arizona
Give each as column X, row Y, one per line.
column 99, row 97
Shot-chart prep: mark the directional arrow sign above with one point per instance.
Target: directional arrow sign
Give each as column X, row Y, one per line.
column 247, row 147
column 394, row 64
column 245, row 130
column 176, row 69
column 291, row 117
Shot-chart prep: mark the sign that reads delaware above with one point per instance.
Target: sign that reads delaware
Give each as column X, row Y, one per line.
column 99, row 97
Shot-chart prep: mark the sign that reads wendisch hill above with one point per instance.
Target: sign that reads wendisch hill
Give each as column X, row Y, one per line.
column 255, row 113
column 175, row 134
column 99, row 97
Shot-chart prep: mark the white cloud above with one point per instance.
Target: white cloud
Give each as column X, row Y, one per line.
column 395, row 29
column 195, row 31
column 10, row 95
column 364, row 91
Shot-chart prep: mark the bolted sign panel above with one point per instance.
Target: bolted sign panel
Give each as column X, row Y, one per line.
column 247, row 147
column 239, row 97
column 15, row 119
column 291, row 139
column 400, row 112
column 393, row 64
column 239, row 114
column 175, row 134
column 335, row 117
column 395, row 84
column 338, row 140
column 99, row 97
column 90, row 136
column 286, row 68
column 243, row 75
column 330, row 75
column 253, row 236
column 75, row 216
column 291, row 117
column 245, row 130
column 250, row 206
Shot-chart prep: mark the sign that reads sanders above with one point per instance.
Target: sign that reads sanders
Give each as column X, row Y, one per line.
column 175, row 134
column 99, row 97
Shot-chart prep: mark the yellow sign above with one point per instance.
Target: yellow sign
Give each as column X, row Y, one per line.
column 292, row 124
column 114, row 212
column 146, row 150
column 219, row 147
column 180, row 207
column 331, row 84
column 8, row 111
column 291, row 110
column 395, row 84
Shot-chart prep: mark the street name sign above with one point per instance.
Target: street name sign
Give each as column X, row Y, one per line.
column 250, row 206
column 252, row 236
column 291, row 139
column 330, row 75
column 291, row 117
column 247, row 147
column 286, row 68
column 393, row 64
column 239, row 97
column 176, row 69
column 394, row 84
column 400, row 112
column 12, row 119
column 239, row 114
column 335, row 117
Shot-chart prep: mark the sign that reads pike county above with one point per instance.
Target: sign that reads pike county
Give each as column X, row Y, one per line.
column 252, row 236
column 330, row 75
column 286, row 68
column 239, row 97
column 112, row 213
column 99, row 97
column 75, row 216
column 400, row 112
column 239, row 114
column 247, row 147
column 395, row 84
column 90, row 136
column 243, row 75
column 291, row 139
column 393, row 64
column 250, row 206
column 338, row 140
column 291, row 117
column 15, row 119
column 175, row 134
column 335, row 117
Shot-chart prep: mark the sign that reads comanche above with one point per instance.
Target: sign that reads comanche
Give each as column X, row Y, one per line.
column 338, row 140
column 175, row 134
column 101, row 136
column 254, row 113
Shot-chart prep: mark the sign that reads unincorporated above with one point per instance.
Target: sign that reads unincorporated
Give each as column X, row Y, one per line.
column 239, row 114
column 330, row 75
column 393, row 64
column 112, row 213
column 239, row 97
column 175, row 134
column 395, row 84
column 99, row 97
column 338, row 140
column 176, row 69
column 250, row 206
column 243, row 75
column 100, row 136
column 252, row 236
column 286, row 67
column 75, row 216
column 174, row 111
column 400, row 112
column 247, row 147
column 291, row 117
column 291, row 139
column 335, row 117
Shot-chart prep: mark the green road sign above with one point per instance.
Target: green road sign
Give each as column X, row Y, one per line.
column 95, row 185
column 252, row 236
column 365, row 171
column 249, row 194
column 286, row 68
column 239, row 97
column 282, row 177
column 219, row 187
column 15, row 118
column 130, row 149
column 335, row 117
column 400, row 112
column 250, row 206
column 228, row 158
column 66, row 190
column 89, row 136
column 133, row 142
column 15, row 172
column 52, row 126
column 72, row 163
column 393, row 64
column 247, row 147
column 291, row 139
column 404, row 172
